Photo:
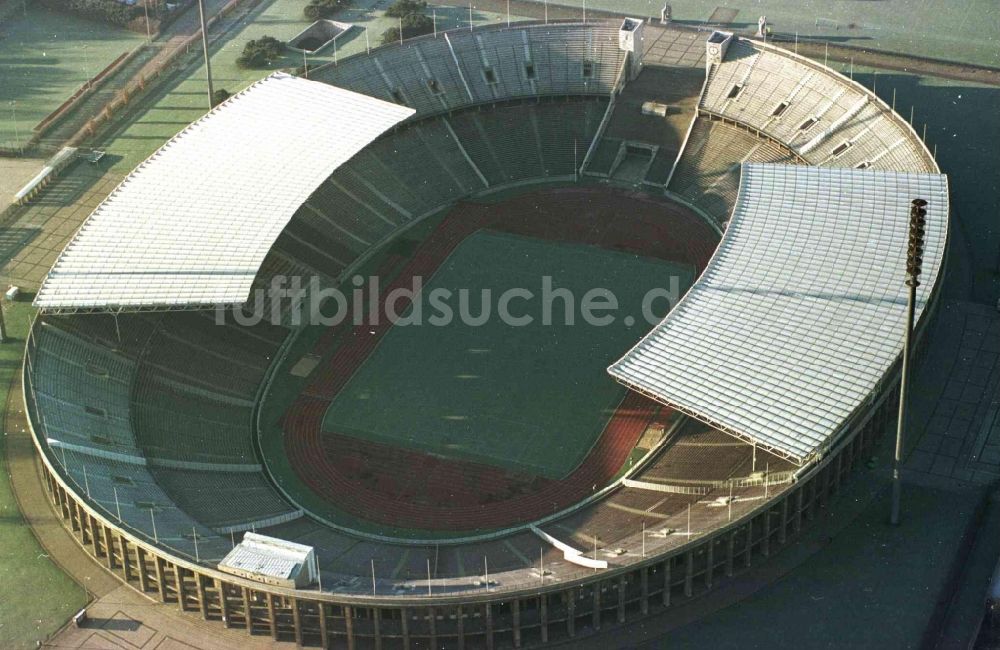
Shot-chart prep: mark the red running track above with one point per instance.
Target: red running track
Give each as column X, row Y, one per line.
column 410, row 489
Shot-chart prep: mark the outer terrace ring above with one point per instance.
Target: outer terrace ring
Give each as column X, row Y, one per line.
column 507, row 613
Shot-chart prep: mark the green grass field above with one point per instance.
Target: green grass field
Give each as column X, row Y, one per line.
column 44, row 58
column 37, row 597
column 528, row 398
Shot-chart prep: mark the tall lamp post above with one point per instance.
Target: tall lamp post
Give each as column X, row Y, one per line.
column 914, row 259
column 204, row 46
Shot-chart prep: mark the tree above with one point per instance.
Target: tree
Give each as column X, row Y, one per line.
column 317, row 9
column 403, row 8
column 413, row 25
column 261, row 52
column 220, row 96
column 109, row 11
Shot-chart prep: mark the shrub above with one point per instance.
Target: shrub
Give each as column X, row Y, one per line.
column 317, row 9
column 261, row 52
column 220, row 96
column 403, row 8
column 413, row 25
column 108, row 11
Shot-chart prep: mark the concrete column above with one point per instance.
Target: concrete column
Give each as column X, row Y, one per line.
column 271, row 618
column 644, row 590
column 75, row 520
column 460, row 625
column 783, row 531
column 64, row 504
column 126, row 557
column 749, row 544
column 595, row 613
column 709, row 564
column 297, row 621
column 797, row 520
column 50, row 484
column 432, row 625
column 179, row 582
column 95, row 535
column 689, row 573
column 140, row 556
column 621, row 599
column 489, row 627
column 109, row 547
column 571, row 613
column 765, row 541
column 543, row 604
column 220, row 586
column 377, row 624
column 247, row 610
column 515, row 610
column 324, row 635
column 199, row 585
column 405, row 621
column 161, row 582
column 730, row 553
column 349, row 626
column 838, row 469
column 666, row 583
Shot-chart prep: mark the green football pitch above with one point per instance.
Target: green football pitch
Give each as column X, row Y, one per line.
column 532, row 398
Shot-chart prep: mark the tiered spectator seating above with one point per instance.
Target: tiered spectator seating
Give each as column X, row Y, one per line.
column 224, row 500
column 177, row 422
column 810, row 109
column 492, row 64
column 220, row 359
column 129, row 489
column 82, row 391
column 422, row 168
column 708, row 172
column 157, row 412
column 125, row 335
column 540, row 141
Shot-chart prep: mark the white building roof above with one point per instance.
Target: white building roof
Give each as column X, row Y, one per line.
column 267, row 556
column 800, row 313
column 191, row 225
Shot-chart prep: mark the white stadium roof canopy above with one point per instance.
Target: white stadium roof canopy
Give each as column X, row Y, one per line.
column 800, row 313
column 192, row 224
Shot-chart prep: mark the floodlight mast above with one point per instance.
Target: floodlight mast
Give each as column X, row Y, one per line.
column 204, row 45
column 914, row 259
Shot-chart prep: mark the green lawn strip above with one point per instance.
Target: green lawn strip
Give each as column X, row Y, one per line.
column 38, row 598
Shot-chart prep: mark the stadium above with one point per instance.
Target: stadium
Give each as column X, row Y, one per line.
column 377, row 486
